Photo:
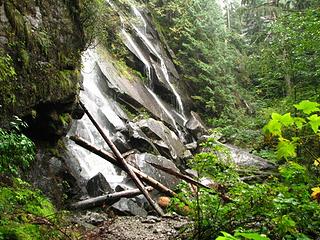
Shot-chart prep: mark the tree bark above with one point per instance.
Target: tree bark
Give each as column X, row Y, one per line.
column 107, row 199
column 119, row 157
column 110, row 158
column 178, row 175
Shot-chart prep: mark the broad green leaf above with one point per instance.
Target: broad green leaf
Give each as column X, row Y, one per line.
column 299, row 122
column 276, row 116
column 308, row 107
column 251, row 236
column 314, row 121
column 286, row 149
column 286, row 119
column 226, row 236
column 273, row 127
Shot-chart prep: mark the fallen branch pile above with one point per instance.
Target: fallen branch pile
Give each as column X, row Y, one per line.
column 136, row 175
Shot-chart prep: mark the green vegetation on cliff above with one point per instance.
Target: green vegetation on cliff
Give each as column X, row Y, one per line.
column 25, row 212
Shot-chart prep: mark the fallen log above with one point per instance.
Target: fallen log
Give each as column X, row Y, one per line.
column 119, row 157
column 178, row 175
column 122, row 161
column 110, row 158
column 107, row 199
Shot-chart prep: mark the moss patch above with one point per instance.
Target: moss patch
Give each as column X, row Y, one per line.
column 22, row 211
column 44, row 47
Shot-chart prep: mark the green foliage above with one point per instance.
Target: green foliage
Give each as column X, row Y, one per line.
column 7, row 75
column 308, row 107
column 16, row 150
column 293, row 132
column 27, row 215
column 6, row 68
column 280, row 207
column 242, row 235
column 287, row 64
column 196, row 32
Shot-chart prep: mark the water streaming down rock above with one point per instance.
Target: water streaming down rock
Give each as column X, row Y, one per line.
column 142, row 24
column 131, row 44
column 100, row 107
column 162, row 62
column 106, row 93
column 135, row 49
column 158, row 100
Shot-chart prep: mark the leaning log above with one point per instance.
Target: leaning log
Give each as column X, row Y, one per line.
column 178, row 175
column 110, row 158
column 119, row 157
column 107, row 199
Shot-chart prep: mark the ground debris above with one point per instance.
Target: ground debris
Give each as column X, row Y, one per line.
column 137, row 228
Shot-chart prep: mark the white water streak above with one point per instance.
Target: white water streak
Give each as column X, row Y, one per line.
column 163, row 67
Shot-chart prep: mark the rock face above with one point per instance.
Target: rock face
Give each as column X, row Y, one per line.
column 46, row 62
column 244, row 159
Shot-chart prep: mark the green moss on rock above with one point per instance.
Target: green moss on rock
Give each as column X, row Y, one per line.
column 22, row 212
column 44, row 45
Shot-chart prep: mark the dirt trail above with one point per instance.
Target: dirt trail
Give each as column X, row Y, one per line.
column 100, row 227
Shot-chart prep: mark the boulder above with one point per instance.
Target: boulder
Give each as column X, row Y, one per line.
column 245, row 159
column 120, row 141
column 165, row 140
column 98, row 185
column 196, row 126
column 129, row 207
column 139, row 140
column 192, row 146
column 143, row 160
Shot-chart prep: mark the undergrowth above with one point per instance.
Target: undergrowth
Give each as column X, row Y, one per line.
column 285, row 205
column 25, row 213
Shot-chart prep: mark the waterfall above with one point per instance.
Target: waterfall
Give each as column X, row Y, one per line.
column 151, row 47
column 162, row 62
column 100, row 107
column 106, row 111
column 140, row 55
column 137, row 51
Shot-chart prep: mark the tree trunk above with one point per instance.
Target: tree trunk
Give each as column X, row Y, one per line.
column 107, row 199
column 119, row 157
column 178, row 175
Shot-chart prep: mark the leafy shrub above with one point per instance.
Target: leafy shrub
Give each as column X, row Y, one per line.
column 280, row 207
column 299, row 132
column 16, row 150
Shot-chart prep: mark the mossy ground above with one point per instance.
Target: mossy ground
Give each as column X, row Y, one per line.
column 27, row 214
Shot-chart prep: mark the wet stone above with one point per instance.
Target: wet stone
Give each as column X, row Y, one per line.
column 98, row 186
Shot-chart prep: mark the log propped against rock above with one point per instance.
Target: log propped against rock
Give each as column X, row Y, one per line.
column 178, row 175
column 110, row 158
column 107, row 199
column 123, row 163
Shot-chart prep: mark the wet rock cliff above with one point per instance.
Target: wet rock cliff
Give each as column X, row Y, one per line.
column 40, row 45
